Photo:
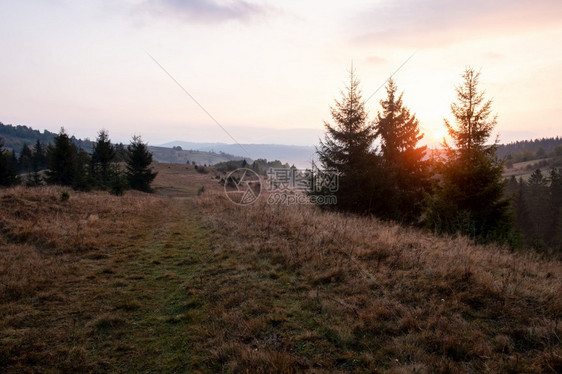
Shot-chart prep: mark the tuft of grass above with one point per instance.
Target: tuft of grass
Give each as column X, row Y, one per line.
column 106, row 321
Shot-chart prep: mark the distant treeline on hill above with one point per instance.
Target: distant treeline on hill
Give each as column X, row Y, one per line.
column 61, row 162
column 527, row 150
column 14, row 138
column 260, row 166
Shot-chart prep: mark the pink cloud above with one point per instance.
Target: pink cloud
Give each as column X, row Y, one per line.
column 432, row 23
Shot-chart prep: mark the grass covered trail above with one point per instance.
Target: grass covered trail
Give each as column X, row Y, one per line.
column 99, row 283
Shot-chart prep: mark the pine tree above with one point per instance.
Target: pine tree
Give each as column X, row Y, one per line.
column 102, row 155
column 539, row 208
column 555, row 232
column 62, row 160
column 521, row 212
column 25, row 161
column 470, row 196
column 346, row 150
column 8, row 173
column 83, row 179
column 40, row 155
column 403, row 159
column 139, row 175
column 38, row 163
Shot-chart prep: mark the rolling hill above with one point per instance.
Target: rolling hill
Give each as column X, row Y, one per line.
column 180, row 156
column 297, row 155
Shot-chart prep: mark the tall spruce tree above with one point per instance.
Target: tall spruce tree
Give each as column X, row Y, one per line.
column 62, row 157
column 102, row 155
column 469, row 199
column 403, row 158
column 539, row 207
column 346, row 150
column 139, row 158
column 25, row 161
column 40, row 155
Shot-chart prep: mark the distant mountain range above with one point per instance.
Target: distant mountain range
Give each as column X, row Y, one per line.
column 14, row 137
column 298, row 155
column 301, row 156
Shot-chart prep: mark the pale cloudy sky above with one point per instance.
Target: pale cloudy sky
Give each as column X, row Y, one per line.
column 268, row 71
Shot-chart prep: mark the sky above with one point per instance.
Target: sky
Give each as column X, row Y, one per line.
column 268, row 71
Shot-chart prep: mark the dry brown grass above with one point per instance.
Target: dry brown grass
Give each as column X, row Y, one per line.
column 41, row 235
column 179, row 180
column 50, row 251
column 374, row 295
column 145, row 283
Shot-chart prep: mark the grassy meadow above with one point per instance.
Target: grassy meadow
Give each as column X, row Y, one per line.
column 185, row 281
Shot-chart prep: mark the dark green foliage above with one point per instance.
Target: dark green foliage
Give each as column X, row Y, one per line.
column 469, row 199
column 34, row 179
column 537, row 197
column 120, row 153
column 555, row 208
column 346, row 150
column 402, row 159
column 527, row 150
column 64, row 196
column 25, row 161
column 37, row 162
column 83, row 179
column 40, row 156
column 103, row 154
column 537, row 207
column 8, row 169
column 139, row 175
column 118, row 183
column 62, row 156
column 16, row 136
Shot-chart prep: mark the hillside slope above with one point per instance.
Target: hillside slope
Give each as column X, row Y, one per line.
column 170, row 155
column 14, row 137
column 299, row 155
column 184, row 283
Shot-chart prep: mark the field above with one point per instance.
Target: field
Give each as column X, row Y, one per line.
column 525, row 169
column 185, row 281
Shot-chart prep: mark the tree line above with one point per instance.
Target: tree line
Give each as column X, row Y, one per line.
column 537, row 208
column 383, row 171
column 66, row 164
column 527, row 150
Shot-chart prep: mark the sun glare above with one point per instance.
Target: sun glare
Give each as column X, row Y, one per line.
column 438, row 134
column 435, row 135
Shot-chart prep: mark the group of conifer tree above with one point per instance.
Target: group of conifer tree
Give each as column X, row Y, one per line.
column 537, row 208
column 66, row 165
column 461, row 192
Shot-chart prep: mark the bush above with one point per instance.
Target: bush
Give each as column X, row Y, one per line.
column 64, row 195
